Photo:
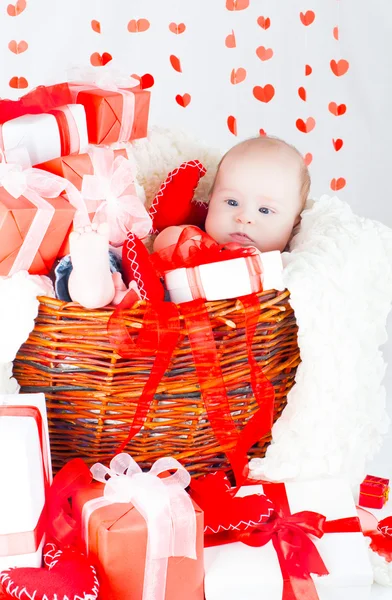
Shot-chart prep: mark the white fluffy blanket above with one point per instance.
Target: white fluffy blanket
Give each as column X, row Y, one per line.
column 339, row 273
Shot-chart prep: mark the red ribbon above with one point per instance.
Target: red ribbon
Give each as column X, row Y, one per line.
column 194, row 248
column 380, row 533
column 297, row 554
column 23, row 543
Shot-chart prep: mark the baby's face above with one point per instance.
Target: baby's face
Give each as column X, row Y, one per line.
column 256, row 199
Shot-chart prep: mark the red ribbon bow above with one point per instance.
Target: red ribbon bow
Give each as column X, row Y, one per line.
column 195, row 248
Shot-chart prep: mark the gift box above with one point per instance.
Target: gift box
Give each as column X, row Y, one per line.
column 373, row 492
column 142, row 552
column 226, row 279
column 59, row 132
column 283, row 563
column 106, row 179
column 25, row 473
column 34, row 220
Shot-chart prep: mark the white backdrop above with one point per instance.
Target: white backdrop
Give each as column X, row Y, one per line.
column 224, row 62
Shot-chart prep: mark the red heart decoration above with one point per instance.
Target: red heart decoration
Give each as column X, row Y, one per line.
column 146, row 80
column 69, row 575
column 138, row 26
column 307, row 18
column 137, row 266
column 237, row 75
column 308, row 70
column 18, row 83
column 237, row 4
column 175, row 63
column 173, row 203
column 338, row 184
column 177, row 28
column 336, row 33
column 96, row 26
column 18, row 47
column 264, row 53
column 308, row 159
column 225, row 512
column 337, row 144
column 339, row 67
column 305, row 126
column 183, row 100
column 264, row 94
column 264, row 22
column 98, row 60
column 232, row 124
column 262, row 132
column 302, row 93
column 336, row 109
column 15, row 9
column 230, row 40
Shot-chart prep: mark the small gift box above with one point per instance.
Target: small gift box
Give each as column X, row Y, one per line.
column 143, row 532
column 116, row 107
column 106, row 179
column 25, row 473
column 205, row 269
column 311, row 547
column 34, row 218
column 373, row 492
column 59, row 132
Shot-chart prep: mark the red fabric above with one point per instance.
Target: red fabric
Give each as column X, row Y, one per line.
column 137, row 266
column 39, row 100
column 225, row 516
column 71, row 577
column 380, row 533
column 65, row 140
column 173, row 203
column 195, row 247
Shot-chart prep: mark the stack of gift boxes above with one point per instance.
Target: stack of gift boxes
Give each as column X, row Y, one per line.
column 155, row 535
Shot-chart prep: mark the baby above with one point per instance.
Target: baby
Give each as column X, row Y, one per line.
column 257, row 197
column 259, row 192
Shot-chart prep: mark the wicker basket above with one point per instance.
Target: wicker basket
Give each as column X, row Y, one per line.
column 92, row 392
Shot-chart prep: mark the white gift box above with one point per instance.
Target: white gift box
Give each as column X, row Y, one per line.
column 40, row 135
column 226, row 279
column 22, row 495
column 236, row 571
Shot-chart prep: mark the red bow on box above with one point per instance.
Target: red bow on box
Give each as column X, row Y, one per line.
column 297, row 554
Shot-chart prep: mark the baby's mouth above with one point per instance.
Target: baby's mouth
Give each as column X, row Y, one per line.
column 241, row 238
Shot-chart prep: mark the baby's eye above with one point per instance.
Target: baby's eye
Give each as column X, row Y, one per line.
column 265, row 210
column 232, row 202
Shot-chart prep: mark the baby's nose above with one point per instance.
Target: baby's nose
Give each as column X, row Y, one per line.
column 244, row 219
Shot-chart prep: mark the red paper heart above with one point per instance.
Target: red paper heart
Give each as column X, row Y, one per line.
column 308, row 70
column 146, row 80
column 338, row 184
column 262, row 132
column 18, row 83
column 339, row 67
column 264, row 94
column 173, row 203
column 337, row 144
column 138, row 26
column 336, row 33
column 336, row 109
column 230, row 40
column 308, row 159
column 307, row 18
column 69, row 575
column 15, row 9
column 177, row 28
column 18, row 47
column 98, row 60
column 302, row 93
column 264, row 22
column 96, row 26
column 183, row 100
column 237, row 75
column 305, row 126
column 237, row 4
column 232, row 124
column 264, row 53
column 175, row 63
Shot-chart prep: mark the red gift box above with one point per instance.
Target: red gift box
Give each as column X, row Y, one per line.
column 373, row 492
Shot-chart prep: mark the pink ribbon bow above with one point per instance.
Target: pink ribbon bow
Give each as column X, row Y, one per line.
column 162, row 502
column 111, row 193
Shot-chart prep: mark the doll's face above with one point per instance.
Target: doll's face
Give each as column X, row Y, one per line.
column 256, row 198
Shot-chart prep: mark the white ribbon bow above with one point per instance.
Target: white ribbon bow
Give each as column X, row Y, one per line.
column 105, row 77
column 163, row 503
column 111, row 193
